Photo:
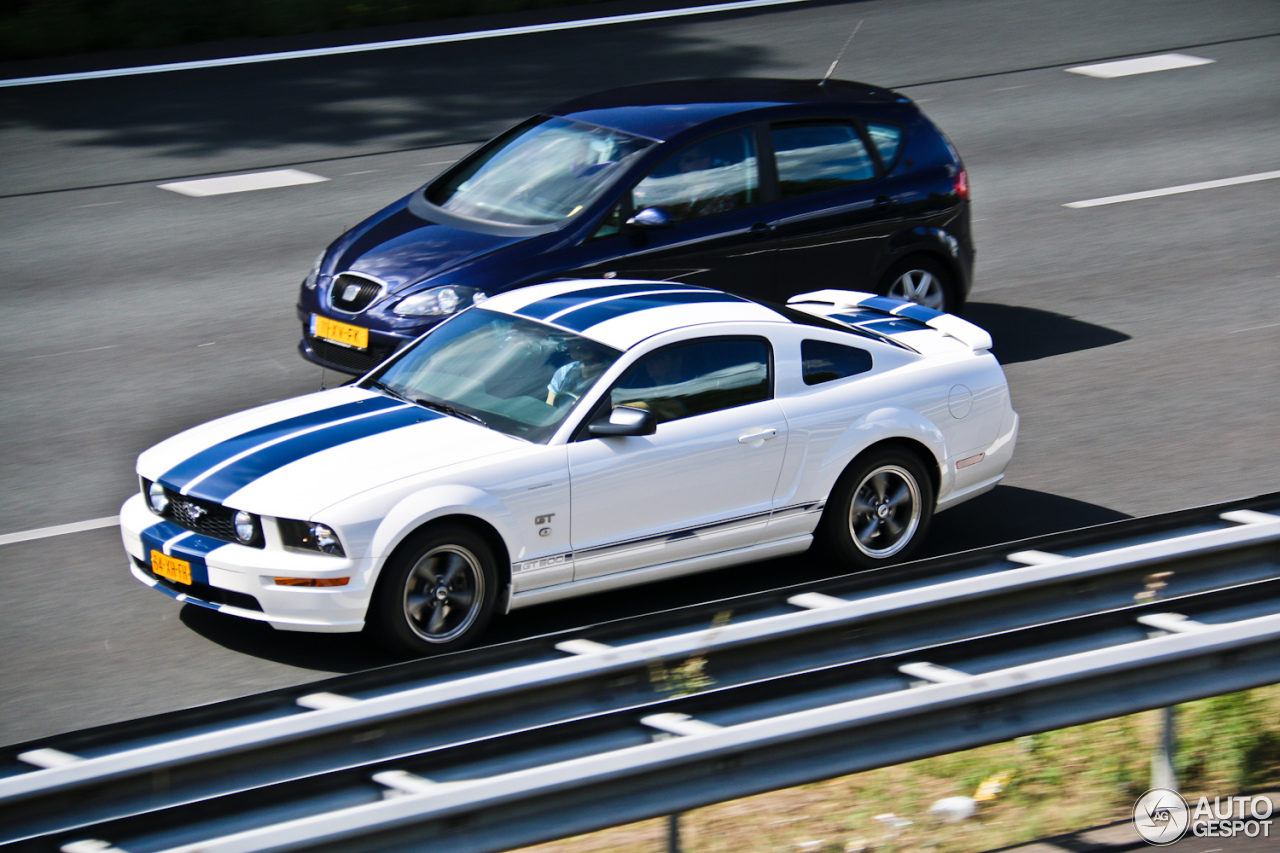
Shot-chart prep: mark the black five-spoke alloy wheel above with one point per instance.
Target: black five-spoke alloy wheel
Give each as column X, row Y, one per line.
column 879, row 509
column 437, row 593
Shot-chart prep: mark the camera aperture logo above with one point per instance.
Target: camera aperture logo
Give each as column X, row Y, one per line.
column 1161, row 816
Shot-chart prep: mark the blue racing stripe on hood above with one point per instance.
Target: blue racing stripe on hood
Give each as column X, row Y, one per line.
column 222, row 483
column 544, row 308
column 183, row 473
column 593, row 315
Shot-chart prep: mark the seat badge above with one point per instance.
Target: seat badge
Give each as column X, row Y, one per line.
column 350, row 292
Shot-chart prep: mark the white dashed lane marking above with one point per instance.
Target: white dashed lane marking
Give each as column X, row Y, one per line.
column 243, row 183
column 1183, row 188
column 1142, row 65
column 58, row 530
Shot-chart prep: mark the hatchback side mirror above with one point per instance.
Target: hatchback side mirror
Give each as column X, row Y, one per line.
column 625, row 420
column 651, row 217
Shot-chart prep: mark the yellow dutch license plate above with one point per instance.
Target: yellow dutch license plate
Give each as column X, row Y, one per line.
column 340, row 333
column 171, row 568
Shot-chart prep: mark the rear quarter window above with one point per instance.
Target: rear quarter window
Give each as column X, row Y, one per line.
column 824, row 361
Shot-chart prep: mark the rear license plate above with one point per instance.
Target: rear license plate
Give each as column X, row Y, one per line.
column 340, row 333
column 171, row 568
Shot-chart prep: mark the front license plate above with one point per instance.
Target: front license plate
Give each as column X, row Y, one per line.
column 340, row 333
column 171, row 568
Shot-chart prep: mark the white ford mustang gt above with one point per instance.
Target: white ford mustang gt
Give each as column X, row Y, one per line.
column 573, row 437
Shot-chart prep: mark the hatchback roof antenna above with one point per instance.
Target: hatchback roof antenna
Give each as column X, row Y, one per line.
column 840, row 55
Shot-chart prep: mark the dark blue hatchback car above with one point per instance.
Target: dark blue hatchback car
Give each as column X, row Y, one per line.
column 765, row 188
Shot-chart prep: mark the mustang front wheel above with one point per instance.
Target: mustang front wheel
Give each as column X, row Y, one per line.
column 437, row 594
column 879, row 509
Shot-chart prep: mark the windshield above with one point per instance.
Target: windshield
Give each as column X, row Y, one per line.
column 513, row 375
column 542, row 172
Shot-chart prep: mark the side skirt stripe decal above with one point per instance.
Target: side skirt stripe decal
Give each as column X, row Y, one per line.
column 183, row 473
column 224, row 482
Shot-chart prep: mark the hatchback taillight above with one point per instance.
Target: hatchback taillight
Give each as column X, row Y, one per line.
column 961, row 187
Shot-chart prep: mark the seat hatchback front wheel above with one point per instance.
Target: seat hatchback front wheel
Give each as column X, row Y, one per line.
column 437, row 593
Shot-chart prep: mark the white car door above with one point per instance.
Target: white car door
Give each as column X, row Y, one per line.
column 703, row 482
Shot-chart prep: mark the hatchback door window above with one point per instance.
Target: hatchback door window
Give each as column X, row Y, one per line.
column 697, row 378
column 887, row 139
column 713, row 176
column 816, row 157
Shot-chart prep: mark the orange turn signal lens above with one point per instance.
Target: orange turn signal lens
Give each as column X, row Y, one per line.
column 311, row 581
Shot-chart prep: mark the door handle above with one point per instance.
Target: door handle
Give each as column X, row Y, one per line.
column 762, row 435
column 761, row 230
column 884, row 203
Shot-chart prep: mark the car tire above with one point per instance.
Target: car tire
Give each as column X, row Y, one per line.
column 921, row 280
column 436, row 594
column 879, row 510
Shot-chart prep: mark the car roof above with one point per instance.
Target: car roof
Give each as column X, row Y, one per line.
column 621, row 313
column 663, row 110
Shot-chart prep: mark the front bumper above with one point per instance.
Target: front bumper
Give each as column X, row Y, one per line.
column 344, row 359
column 239, row 580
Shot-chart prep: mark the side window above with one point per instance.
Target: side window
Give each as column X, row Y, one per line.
column 825, row 361
column 816, row 157
column 609, row 225
column 713, row 176
column 887, row 139
column 697, row 378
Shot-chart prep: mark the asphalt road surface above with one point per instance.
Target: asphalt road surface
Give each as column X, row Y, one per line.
column 1141, row 338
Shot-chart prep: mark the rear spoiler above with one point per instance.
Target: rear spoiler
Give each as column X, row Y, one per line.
column 868, row 310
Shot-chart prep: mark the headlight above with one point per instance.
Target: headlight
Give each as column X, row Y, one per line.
column 313, row 277
column 247, row 527
column 310, row 536
column 157, row 499
column 439, row 301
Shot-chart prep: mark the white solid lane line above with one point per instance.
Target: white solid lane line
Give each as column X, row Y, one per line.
column 58, row 530
column 1184, row 188
column 243, row 183
column 391, row 45
column 1142, row 65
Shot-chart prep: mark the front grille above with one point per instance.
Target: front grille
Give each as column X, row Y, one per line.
column 202, row 591
column 203, row 517
column 353, row 293
column 345, row 358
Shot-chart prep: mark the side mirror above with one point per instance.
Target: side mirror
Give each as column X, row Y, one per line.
column 625, row 420
column 651, row 217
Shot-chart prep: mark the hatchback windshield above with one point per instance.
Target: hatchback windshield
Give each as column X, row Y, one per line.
column 543, row 172
column 513, row 375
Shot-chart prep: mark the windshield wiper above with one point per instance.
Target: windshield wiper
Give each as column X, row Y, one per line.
column 390, row 392
column 441, row 406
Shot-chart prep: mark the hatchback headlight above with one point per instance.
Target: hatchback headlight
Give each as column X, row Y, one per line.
column 310, row 536
column 439, row 301
column 313, row 277
column 157, row 498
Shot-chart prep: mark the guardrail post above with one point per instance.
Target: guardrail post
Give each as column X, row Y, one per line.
column 1163, row 774
column 673, row 833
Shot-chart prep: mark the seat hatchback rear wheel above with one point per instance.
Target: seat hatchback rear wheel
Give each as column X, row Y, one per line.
column 879, row 510
column 437, row 593
column 922, row 281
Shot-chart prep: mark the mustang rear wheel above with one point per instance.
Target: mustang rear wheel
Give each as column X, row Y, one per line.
column 437, row 594
column 879, row 510
column 920, row 280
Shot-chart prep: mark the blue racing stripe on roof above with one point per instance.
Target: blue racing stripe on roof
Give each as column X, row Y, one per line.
column 544, row 308
column 183, row 473
column 593, row 315
column 224, row 482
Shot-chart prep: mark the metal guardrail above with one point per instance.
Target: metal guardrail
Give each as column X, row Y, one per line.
column 345, row 736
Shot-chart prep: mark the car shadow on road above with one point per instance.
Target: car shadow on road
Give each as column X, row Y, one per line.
column 1027, row 334
column 328, row 653
column 1004, row 515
